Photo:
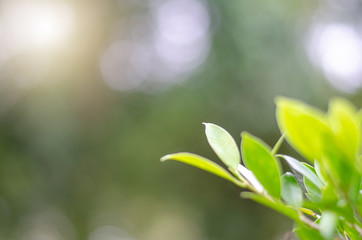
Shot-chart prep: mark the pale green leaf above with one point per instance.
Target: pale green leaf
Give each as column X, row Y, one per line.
column 314, row 193
column 292, row 194
column 302, row 169
column 328, row 225
column 223, row 145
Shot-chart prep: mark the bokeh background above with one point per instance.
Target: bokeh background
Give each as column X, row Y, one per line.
column 94, row 92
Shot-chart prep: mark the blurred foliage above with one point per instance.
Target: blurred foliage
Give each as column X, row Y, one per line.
column 77, row 155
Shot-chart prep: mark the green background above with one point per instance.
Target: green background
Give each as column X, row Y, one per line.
column 80, row 160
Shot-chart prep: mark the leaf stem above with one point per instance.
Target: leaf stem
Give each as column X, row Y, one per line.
column 308, row 222
column 278, row 144
column 244, row 183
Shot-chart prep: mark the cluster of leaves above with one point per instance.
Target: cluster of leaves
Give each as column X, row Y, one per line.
column 324, row 196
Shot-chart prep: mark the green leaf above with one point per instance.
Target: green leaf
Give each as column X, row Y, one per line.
column 359, row 164
column 314, row 193
column 302, row 169
column 352, row 233
column 291, row 191
column 223, row 145
column 307, row 233
column 258, row 158
column 250, row 177
column 202, row 163
column 328, row 225
column 277, row 206
column 336, row 162
column 343, row 119
column 354, row 187
column 334, row 202
column 359, row 202
column 330, row 195
column 318, row 171
column 303, row 126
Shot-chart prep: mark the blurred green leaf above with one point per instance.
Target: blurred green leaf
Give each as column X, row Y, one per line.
column 319, row 173
column 313, row 192
column 291, row 191
column 351, row 232
column 341, row 171
column 336, row 204
column 310, row 168
column 307, row 233
column 258, row 158
column 354, row 187
column 359, row 164
column 328, row 224
column 302, row 125
column 342, row 116
column 202, row 163
column 329, row 195
column 277, row 206
column 302, row 169
column 223, row 145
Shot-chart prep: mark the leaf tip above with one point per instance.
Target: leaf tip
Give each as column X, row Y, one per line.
column 166, row 157
column 244, row 134
column 279, row 99
column 207, row 125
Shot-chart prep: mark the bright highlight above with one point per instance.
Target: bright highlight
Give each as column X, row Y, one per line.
column 37, row 24
column 337, row 50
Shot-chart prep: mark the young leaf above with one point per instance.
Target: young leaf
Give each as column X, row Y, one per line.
column 291, row 191
column 328, row 224
column 202, row 163
column 223, row 145
column 302, row 169
column 302, row 125
column 258, row 158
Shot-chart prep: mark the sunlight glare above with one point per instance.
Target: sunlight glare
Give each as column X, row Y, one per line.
column 37, row 24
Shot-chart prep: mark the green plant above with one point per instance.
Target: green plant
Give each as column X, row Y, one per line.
column 324, row 196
